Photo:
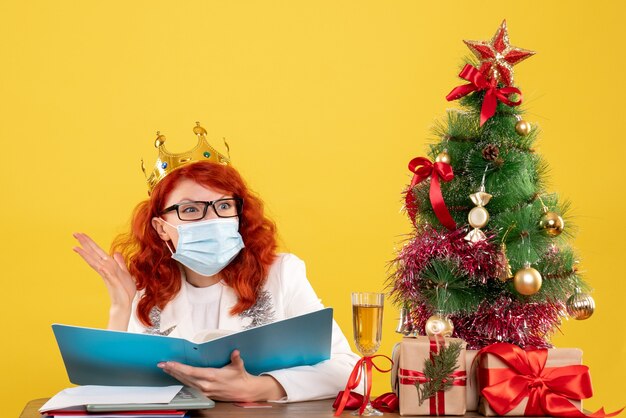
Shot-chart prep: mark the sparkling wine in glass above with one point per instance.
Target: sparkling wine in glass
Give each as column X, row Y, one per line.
column 367, row 321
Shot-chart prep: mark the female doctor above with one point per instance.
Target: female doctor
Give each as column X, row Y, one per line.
column 201, row 256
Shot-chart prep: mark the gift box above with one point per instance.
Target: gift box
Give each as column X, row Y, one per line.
column 395, row 360
column 517, row 382
column 414, row 353
column 472, row 394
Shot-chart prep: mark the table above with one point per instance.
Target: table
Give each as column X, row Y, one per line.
column 309, row 409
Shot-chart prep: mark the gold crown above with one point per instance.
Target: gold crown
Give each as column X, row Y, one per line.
column 168, row 161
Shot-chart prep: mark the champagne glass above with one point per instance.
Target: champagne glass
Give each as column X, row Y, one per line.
column 367, row 321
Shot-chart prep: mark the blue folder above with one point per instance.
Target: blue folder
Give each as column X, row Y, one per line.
column 116, row 358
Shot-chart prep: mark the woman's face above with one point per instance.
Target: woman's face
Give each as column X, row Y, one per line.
column 186, row 191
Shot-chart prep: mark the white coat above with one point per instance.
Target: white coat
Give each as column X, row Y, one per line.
column 286, row 293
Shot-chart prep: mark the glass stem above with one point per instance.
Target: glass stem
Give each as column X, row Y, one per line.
column 365, row 400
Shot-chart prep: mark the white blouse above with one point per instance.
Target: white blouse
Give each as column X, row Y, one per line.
column 205, row 306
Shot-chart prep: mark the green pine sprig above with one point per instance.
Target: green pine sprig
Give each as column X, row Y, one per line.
column 447, row 289
column 438, row 371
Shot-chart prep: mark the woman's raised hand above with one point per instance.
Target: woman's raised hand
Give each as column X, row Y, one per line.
column 119, row 282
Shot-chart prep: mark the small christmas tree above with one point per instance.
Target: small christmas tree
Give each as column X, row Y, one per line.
column 488, row 259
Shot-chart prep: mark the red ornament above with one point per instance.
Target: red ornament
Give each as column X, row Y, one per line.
column 498, row 56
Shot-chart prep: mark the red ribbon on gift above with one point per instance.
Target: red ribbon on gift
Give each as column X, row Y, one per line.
column 548, row 388
column 478, row 82
column 411, row 377
column 422, row 168
column 438, row 405
column 355, row 379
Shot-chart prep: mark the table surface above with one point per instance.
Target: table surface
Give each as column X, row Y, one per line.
column 225, row 409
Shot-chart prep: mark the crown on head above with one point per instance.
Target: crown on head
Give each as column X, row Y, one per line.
column 168, row 161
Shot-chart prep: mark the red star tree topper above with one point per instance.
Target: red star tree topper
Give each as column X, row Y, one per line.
column 498, row 56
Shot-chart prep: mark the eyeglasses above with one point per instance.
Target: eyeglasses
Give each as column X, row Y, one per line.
column 194, row 211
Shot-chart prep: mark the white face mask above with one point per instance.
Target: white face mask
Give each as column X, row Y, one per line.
column 207, row 247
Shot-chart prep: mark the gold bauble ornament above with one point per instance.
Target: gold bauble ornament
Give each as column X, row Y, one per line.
column 551, row 223
column 439, row 324
column 522, row 127
column 443, row 157
column 527, row 280
column 580, row 306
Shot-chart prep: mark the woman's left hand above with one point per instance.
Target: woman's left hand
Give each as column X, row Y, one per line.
column 229, row 383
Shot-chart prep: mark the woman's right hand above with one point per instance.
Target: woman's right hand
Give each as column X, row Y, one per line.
column 120, row 284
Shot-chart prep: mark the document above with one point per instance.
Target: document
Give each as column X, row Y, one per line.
column 115, row 358
column 84, row 395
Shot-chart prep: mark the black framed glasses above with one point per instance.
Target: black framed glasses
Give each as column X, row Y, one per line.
column 228, row 207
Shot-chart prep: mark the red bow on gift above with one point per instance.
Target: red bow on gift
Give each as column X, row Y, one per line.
column 422, row 168
column 548, row 389
column 477, row 82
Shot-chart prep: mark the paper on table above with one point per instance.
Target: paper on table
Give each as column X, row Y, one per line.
column 83, row 395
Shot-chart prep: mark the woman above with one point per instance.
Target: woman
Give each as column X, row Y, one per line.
column 202, row 257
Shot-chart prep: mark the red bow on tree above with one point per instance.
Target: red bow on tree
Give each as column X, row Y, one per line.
column 422, row 168
column 478, row 82
column 548, row 389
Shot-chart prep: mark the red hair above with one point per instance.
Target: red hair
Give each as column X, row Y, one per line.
column 150, row 262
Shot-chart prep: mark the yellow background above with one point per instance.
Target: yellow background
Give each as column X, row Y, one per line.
column 323, row 104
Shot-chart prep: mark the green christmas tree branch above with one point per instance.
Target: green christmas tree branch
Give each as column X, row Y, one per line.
column 438, row 372
column 447, row 290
